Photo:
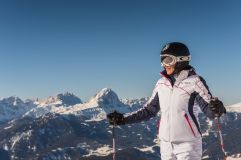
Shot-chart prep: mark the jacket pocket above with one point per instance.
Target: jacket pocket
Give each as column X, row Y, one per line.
column 189, row 124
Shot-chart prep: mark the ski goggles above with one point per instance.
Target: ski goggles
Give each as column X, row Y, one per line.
column 170, row 60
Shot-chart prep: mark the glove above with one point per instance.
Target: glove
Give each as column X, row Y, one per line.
column 217, row 107
column 116, row 118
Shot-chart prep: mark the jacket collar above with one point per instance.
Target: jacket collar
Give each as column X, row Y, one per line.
column 188, row 71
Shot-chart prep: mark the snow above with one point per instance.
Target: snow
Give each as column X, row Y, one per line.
column 44, row 109
column 210, row 123
column 234, row 108
column 101, row 151
column 146, row 149
column 231, row 158
column 80, row 107
column 17, row 138
column 205, row 157
column 5, row 147
column 95, row 109
column 13, row 107
column 85, row 124
column 8, row 126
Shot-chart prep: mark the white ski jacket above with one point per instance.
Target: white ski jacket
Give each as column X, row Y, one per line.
column 178, row 104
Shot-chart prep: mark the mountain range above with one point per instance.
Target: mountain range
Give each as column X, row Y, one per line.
column 63, row 127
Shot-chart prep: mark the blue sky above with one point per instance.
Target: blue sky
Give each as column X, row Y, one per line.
column 53, row 46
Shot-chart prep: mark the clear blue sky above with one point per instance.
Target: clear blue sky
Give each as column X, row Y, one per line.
column 81, row 46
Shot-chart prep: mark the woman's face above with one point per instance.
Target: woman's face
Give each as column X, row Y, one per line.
column 170, row 69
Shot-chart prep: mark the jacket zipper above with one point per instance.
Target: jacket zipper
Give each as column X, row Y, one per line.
column 169, row 111
column 187, row 119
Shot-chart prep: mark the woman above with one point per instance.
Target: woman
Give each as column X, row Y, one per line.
column 178, row 95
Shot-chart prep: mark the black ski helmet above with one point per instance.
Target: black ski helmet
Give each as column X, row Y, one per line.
column 177, row 49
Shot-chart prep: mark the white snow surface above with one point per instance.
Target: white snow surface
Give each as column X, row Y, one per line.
column 17, row 138
column 234, row 108
column 210, row 123
column 231, row 158
column 101, row 151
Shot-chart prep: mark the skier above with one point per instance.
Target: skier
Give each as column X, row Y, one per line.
column 178, row 95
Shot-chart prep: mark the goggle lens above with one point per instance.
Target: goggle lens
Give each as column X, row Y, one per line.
column 167, row 61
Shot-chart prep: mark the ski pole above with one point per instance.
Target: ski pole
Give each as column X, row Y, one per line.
column 113, row 138
column 220, row 136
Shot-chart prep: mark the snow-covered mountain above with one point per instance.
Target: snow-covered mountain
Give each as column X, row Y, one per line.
column 14, row 107
column 53, row 104
column 134, row 103
column 54, row 129
column 105, row 101
column 73, row 128
column 63, row 99
column 99, row 105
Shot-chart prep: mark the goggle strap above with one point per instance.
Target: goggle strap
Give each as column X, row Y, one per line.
column 178, row 58
column 183, row 58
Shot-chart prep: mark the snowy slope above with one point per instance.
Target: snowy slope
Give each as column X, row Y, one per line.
column 232, row 158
